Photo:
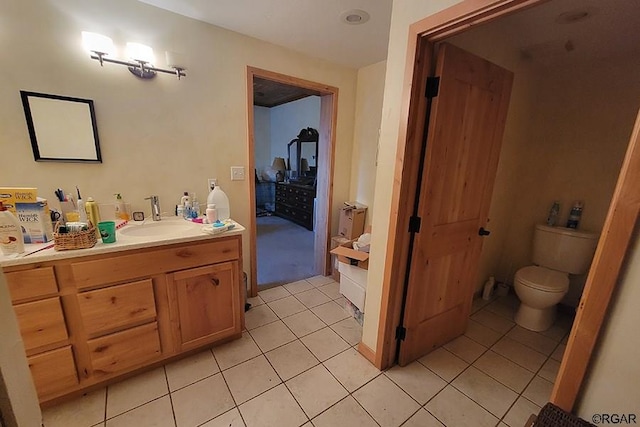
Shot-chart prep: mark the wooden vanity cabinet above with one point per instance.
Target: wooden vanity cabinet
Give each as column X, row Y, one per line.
column 36, row 301
column 91, row 320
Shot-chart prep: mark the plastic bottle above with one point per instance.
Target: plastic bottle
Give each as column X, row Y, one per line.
column 93, row 213
column 11, row 238
column 219, row 198
column 185, row 201
column 195, row 207
column 82, row 211
column 554, row 212
column 212, row 213
column 575, row 214
column 121, row 208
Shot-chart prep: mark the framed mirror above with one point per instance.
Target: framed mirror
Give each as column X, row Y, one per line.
column 61, row 128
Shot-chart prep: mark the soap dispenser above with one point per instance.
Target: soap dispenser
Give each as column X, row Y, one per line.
column 121, row 208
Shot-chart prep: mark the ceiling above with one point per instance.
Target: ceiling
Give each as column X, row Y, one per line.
column 314, row 27
column 316, row 24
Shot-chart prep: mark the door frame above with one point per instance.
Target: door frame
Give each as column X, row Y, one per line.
column 324, row 187
column 618, row 226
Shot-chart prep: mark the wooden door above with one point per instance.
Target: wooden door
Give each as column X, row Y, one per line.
column 464, row 136
column 208, row 303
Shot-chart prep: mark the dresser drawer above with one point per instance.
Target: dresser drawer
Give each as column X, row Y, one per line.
column 116, row 307
column 41, row 323
column 53, row 371
column 30, row 284
column 123, row 350
column 93, row 273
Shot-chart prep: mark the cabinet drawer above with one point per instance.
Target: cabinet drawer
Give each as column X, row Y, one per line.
column 123, row 350
column 28, row 284
column 41, row 323
column 88, row 274
column 109, row 309
column 53, row 371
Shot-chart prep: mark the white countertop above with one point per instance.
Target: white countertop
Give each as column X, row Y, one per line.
column 125, row 240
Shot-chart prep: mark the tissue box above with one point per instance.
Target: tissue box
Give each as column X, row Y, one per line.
column 9, row 196
column 35, row 220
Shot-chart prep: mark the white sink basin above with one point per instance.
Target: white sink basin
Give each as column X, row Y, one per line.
column 150, row 229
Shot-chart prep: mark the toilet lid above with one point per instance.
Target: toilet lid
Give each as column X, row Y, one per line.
column 543, row 279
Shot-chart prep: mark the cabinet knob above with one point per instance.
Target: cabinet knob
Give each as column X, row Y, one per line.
column 215, row 281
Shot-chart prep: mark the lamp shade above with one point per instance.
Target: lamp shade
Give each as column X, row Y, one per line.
column 278, row 164
column 304, row 165
column 140, row 52
column 94, row 42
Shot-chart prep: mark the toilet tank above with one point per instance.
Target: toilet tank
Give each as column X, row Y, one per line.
column 563, row 249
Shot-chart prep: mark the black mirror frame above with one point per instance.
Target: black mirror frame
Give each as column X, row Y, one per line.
column 32, row 131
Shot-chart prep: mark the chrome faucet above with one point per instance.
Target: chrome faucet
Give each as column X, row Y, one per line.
column 155, row 207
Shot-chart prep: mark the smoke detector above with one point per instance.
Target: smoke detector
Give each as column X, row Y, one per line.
column 354, row 17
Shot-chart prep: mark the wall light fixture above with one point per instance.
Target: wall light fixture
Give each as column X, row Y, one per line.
column 141, row 56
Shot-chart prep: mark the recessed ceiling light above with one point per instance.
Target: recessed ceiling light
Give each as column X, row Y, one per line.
column 573, row 16
column 354, row 17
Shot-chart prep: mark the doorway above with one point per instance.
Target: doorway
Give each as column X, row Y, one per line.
column 424, row 35
column 327, row 96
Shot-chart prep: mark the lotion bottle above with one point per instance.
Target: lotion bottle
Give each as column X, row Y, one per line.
column 11, row 238
column 93, row 213
column 212, row 213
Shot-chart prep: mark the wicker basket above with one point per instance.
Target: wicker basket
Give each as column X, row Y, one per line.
column 553, row 416
column 77, row 240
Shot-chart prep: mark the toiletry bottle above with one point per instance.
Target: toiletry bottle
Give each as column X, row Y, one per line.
column 82, row 212
column 195, row 207
column 185, row 201
column 219, row 198
column 121, row 208
column 212, row 213
column 554, row 212
column 93, row 213
column 11, row 238
column 575, row 214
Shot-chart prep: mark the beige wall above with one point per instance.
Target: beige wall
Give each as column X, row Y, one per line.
column 366, row 133
column 611, row 384
column 157, row 137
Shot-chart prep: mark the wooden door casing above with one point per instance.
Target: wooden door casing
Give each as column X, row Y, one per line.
column 463, row 147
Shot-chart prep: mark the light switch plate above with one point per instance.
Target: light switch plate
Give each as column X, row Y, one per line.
column 237, row 173
column 212, row 182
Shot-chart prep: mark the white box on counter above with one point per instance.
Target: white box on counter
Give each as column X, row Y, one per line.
column 35, row 220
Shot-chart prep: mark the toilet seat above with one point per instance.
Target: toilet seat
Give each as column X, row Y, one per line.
column 543, row 279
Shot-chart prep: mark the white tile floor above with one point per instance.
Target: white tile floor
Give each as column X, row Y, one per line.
column 297, row 365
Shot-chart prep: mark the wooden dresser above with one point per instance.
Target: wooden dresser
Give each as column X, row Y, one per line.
column 295, row 203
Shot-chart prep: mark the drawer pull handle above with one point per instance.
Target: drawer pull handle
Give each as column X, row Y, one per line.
column 215, row 281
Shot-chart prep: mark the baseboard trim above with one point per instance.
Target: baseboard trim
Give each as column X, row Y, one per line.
column 368, row 354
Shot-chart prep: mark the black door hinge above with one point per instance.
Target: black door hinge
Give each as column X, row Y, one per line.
column 433, row 86
column 414, row 224
column 401, row 333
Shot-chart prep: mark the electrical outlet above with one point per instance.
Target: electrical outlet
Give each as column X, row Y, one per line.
column 212, row 182
column 237, row 173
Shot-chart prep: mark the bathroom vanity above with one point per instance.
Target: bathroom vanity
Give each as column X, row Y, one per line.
column 92, row 316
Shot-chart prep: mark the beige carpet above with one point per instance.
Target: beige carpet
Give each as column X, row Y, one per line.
column 284, row 250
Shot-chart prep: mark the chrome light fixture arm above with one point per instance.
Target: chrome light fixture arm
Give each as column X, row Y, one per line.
column 140, row 69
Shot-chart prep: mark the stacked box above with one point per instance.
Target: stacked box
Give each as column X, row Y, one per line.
column 35, row 220
column 351, row 221
column 9, row 196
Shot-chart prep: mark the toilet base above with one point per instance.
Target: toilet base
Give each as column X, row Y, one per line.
column 535, row 319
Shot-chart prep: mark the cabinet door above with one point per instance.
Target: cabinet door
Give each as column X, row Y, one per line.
column 53, row 372
column 208, row 303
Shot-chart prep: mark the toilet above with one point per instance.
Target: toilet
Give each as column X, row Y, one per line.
column 557, row 252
